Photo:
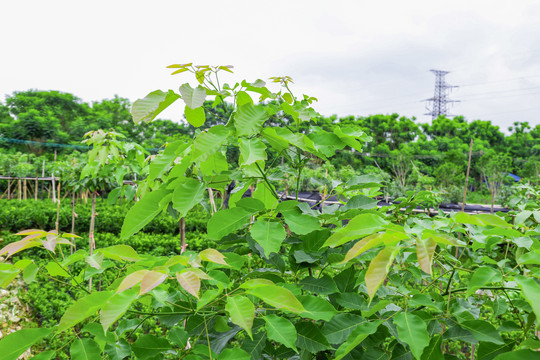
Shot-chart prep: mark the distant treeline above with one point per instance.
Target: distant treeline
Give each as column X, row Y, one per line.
column 411, row 153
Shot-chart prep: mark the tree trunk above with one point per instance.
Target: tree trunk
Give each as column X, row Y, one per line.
column 92, row 241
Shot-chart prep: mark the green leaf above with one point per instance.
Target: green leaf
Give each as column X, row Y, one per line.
column 274, row 139
column 251, row 151
column 187, row 194
column 178, row 336
column 46, row 355
column 165, row 160
column 531, row 292
column 83, row 308
column 412, row 330
column 481, row 220
column 425, row 248
column 209, row 142
column 85, row 349
column 195, row 117
column 482, row 276
column 300, row 223
column 359, row 226
column 324, row 285
column 148, row 346
column 151, row 105
column 359, row 334
column 119, row 253
column 255, row 347
column 194, row 98
column 263, row 193
column 249, row 119
column 281, row 330
column 360, row 202
column 241, row 311
column 118, row 351
column 234, row 354
column 482, row 331
column 278, row 297
column 519, row 355
column 269, row 235
column 310, row 337
column 15, row 344
column 227, row 221
column 378, row 269
column 341, row 326
column 116, row 306
column 351, row 137
column 316, row 308
column 144, row 210
column 433, row 350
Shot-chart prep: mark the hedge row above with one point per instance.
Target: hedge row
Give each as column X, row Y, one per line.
column 19, row 215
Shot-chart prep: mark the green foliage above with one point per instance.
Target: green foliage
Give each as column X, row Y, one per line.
column 283, row 280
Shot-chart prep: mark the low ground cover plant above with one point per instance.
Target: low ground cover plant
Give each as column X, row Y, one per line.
column 284, row 280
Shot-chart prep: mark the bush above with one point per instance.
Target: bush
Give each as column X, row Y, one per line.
column 30, row 214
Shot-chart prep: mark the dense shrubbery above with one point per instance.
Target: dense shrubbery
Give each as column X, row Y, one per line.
column 29, row 214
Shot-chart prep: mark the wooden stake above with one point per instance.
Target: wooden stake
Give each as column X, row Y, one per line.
column 36, row 189
column 53, row 188
column 9, row 189
column 467, row 178
column 182, row 226
column 73, row 247
column 25, row 189
column 19, row 189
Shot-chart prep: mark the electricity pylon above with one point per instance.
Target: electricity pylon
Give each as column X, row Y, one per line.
column 440, row 99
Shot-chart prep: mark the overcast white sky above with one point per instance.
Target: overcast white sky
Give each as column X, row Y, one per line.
column 358, row 57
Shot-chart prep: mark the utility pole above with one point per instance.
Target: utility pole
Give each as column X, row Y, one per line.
column 440, row 97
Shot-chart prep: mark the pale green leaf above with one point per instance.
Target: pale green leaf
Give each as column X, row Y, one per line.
column 269, row 235
column 15, row 344
column 378, row 269
column 227, row 221
column 359, row 226
column 425, row 248
column 482, row 276
column 531, row 292
column 187, row 194
column 214, row 256
column 316, row 308
column 193, row 97
column 115, row 307
column 83, row 308
column 119, row 253
column 190, row 282
column 195, row 117
column 242, row 312
column 278, row 297
column 85, row 349
column 144, row 210
column 249, row 119
column 251, row 150
column 209, row 142
column 151, row 105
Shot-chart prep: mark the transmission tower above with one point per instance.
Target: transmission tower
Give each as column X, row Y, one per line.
column 440, row 97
